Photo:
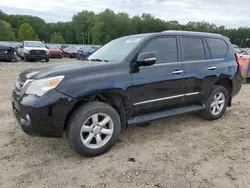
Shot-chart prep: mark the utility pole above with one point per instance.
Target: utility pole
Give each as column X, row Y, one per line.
column 88, row 37
column 83, row 38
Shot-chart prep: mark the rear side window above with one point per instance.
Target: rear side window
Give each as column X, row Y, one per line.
column 192, row 49
column 165, row 49
column 218, row 47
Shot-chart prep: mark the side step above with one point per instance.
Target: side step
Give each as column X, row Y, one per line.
column 165, row 113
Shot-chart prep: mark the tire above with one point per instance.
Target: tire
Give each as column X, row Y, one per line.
column 248, row 80
column 84, row 115
column 47, row 59
column 26, row 59
column 208, row 112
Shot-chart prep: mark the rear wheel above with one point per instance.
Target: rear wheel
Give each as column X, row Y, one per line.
column 216, row 103
column 93, row 128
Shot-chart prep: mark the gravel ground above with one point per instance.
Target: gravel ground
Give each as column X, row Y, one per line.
column 182, row 151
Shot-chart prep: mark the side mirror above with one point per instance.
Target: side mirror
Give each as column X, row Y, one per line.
column 146, row 59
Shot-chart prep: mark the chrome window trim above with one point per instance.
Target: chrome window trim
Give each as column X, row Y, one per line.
column 166, row 98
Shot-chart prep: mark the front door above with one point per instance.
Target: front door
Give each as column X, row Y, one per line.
column 159, row 86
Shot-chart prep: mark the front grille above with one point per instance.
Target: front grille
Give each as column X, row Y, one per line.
column 37, row 52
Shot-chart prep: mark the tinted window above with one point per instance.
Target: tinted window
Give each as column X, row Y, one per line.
column 165, row 49
column 218, row 47
column 193, row 49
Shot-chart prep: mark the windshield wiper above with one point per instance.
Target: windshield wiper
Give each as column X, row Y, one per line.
column 98, row 60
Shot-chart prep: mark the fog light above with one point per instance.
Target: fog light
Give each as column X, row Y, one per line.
column 27, row 117
column 27, row 122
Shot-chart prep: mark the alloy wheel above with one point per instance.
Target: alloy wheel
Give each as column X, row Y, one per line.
column 217, row 104
column 97, row 130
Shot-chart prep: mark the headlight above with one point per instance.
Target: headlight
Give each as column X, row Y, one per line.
column 26, row 51
column 47, row 51
column 41, row 86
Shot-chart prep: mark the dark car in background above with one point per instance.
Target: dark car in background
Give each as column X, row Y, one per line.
column 83, row 53
column 70, row 51
column 8, row 53
column 63, row 46
column 80, row 53
column 54, row 51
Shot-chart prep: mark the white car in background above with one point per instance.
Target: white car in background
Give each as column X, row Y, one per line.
column 244, row 55
column 33, row 51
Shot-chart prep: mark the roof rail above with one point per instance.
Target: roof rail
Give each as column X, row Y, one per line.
column 192, row 32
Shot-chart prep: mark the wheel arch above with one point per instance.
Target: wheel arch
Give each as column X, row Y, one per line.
column 116, row 98
column 228, row 85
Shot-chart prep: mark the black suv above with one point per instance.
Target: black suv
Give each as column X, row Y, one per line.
column 131, row 80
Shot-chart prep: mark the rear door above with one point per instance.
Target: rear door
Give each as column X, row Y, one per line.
column 201, row 68
column 194, row 62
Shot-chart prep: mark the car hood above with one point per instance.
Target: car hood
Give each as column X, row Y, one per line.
column 35, row 48
column 54, row 50
column 67, row 69
column 4, row 48
column 71, row 51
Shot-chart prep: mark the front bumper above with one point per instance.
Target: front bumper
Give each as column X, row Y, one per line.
column 6, row 57
column 55, row 55
column 37, row 56
column 42, row 116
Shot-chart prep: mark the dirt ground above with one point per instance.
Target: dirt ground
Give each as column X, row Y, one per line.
column 184, row 151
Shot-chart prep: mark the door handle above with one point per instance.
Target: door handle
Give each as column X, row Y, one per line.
column 178, row 72
column 211, row 68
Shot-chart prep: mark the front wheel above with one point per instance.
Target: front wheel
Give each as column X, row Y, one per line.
column 216, row 103
column 47, row 59
column 26, row 59
column 93, row 128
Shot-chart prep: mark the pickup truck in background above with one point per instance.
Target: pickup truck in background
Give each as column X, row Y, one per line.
column 33, row 51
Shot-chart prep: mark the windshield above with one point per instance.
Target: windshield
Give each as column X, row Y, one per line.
column 117, row 49
column 71, row 48
column 34, row 44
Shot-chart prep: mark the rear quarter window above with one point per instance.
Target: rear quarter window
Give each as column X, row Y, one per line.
column 218, row 47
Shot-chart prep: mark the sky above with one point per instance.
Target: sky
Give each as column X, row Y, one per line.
column 231, row 13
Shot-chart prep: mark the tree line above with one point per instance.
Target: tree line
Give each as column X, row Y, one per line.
column 88, row 27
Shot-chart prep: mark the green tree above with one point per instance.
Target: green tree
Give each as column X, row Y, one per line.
column 26, row 32
column 57, row 38
column 90, row 28
column 3, row 16
column 66, row 29
column 6, row 33
column 83, row 23
column 96, row 33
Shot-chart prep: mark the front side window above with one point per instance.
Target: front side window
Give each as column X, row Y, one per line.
column 164, row 48
column 192, row 49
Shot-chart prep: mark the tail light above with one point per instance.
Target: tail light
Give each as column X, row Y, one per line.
column 237, row 57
